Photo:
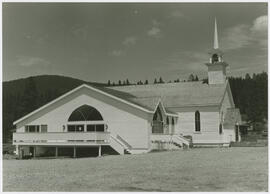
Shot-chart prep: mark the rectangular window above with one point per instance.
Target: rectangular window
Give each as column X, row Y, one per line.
column 44, row 128
column 75, row 128
column 100, row 128
column 32, row 128
column 91, row 128
column 71, row 128
column 79, row 128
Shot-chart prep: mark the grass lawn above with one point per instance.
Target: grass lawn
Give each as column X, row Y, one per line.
column 201, row 169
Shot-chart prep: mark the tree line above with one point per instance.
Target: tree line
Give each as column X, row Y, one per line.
column 126, row 82
column 249, row 94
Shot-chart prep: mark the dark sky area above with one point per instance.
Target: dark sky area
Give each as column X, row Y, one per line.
column 112, row 41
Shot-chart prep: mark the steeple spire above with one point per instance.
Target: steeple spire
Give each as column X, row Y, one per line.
column 216, row 65
column 216, row 36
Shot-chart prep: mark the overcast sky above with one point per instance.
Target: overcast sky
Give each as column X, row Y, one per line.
column 112, row 41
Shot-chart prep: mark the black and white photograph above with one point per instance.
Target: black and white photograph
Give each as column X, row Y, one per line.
column 134, row 96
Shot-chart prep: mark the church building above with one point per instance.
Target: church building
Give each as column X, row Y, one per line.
column 135, row 118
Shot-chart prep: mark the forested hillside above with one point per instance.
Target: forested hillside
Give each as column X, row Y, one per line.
column 250, row 95
column 25, row 95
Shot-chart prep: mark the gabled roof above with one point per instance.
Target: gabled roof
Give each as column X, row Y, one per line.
column 181, row 94
column 149, row 103
column 117, row 95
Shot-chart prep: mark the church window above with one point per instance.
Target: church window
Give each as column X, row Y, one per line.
column 157, row 122
column 85, row 113
column 220, row 128
column 197, row 121
column 158, row 115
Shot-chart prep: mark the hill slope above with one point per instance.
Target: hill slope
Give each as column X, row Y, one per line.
column 45, row 83
column 48, row 88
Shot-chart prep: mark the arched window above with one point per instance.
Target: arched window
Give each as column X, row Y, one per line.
column 157, row 115
column 220, row 128
column 157, row 122
column 167, row 121
column 85, row 113
column 197, row 121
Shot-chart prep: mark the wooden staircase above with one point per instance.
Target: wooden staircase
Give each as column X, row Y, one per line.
column 120, row 145
column 181, row 141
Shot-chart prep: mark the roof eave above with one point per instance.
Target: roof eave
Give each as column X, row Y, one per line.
column 76, row 89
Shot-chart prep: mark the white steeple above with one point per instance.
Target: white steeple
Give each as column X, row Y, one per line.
column 216, row 65
column 216, row 36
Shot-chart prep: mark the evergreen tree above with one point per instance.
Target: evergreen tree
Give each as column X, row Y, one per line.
column 247, row 77
column 161, row 80
column 113, row 84
column 196, row 78
column 119, row 83
column 127, row 82
column 155, row 82
column 191, row 78
column 109, row 83
column 146, row 82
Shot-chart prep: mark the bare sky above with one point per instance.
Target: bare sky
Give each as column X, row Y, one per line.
column 112, row 41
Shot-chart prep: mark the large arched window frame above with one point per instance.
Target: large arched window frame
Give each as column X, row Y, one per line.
column 85, row 113
column 197, row 121
column 86, row 119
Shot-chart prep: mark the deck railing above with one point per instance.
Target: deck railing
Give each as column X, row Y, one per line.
column 61, row 137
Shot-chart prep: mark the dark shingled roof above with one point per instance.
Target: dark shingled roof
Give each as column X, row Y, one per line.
column 174, row 94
